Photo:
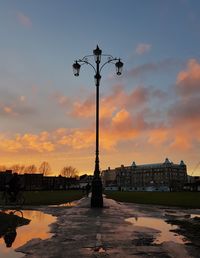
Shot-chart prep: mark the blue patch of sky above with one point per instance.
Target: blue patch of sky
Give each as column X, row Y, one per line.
column 65, row 30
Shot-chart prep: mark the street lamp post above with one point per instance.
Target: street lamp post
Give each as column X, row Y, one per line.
column 97, row 198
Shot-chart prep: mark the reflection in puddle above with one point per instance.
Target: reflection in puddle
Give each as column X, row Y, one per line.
column 68, row 204
column 195, row 215
column 158, row 224
column 37, row 228
column 99, row 249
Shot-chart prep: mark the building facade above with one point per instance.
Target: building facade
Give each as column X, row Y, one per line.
column 37, row 181
column 5, row 177
column 165, row 176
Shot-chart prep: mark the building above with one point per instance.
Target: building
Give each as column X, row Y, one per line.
column 37, row 181
column 84, row 180
column 32, row 181
column 109, row 179
column 165, row 176
column 5, row 177
column 193, row 184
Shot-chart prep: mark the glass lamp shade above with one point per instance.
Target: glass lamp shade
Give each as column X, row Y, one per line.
column 119, row 66
column 76, row 68
column 97, row 54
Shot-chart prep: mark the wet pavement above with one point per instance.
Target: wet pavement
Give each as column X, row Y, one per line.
column 118, row 230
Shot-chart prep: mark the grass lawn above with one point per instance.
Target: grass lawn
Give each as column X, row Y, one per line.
column 179, row 199
column 50, row 197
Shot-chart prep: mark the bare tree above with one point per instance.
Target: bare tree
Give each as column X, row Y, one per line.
column 22, row 169
column 45, row 168
column 30, row 169
column 69, row 171
column 18, row 168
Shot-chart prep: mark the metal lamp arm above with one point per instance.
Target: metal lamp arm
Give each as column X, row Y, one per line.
column 82, row 61
column 109, row 61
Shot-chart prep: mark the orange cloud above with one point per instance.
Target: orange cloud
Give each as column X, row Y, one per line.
column 109, row 105
column 181, row 142
column 121, row 119
column 8, row 110
column 84, row 109
column 78, row 139
column 158, row 136
column 122, row 127
column 26, row 142
column 129, row 126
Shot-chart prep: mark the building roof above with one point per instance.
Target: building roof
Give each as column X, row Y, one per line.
column 166, row 162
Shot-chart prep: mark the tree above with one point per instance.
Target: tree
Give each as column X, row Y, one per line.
column 30, row 169
column 18, row 168
column 45, row 168
column 69, row 171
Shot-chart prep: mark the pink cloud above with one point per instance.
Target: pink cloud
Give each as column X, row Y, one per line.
column 142, row 48
column 23, row 19
column 84, row 109
column 61, row 100
column 184, row 112
column 116, row 100
column 147, row 68
column 188, row 80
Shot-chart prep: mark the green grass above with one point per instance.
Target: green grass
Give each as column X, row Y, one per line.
column 179, row 199
column 50, row 197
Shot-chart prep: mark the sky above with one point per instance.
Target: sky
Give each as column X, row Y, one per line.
column 148, row 113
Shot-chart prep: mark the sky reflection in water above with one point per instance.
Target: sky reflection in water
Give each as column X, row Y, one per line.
column 37, row 228
column 158, row 224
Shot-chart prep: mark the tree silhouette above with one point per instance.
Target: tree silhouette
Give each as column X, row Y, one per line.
column 45, row 168
column 30, row 169
column 69, row 171
column 18, row 168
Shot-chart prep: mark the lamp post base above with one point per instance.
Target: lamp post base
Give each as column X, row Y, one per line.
column 97, row 197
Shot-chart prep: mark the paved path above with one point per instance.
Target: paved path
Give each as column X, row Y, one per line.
column 84, row 232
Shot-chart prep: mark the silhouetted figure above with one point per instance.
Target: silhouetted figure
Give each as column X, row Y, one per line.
column 87, row 188
column 10, row 236
column 14, row 187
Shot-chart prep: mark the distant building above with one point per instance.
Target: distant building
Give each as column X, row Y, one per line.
column 37, row 181
column 193, row 184
column 165, row 176
column 32, row 181
column 84, row 180
column 109, row 179
column 5, row 177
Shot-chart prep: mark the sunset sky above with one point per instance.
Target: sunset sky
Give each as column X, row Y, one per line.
column 149, row 113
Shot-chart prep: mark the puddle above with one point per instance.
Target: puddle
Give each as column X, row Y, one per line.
column 37, row 228
column 158, row 224
column 194, row 215
column 68, row 204
column 99, row 249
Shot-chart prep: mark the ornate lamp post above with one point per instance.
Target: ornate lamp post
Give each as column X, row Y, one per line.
column 97, row 198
